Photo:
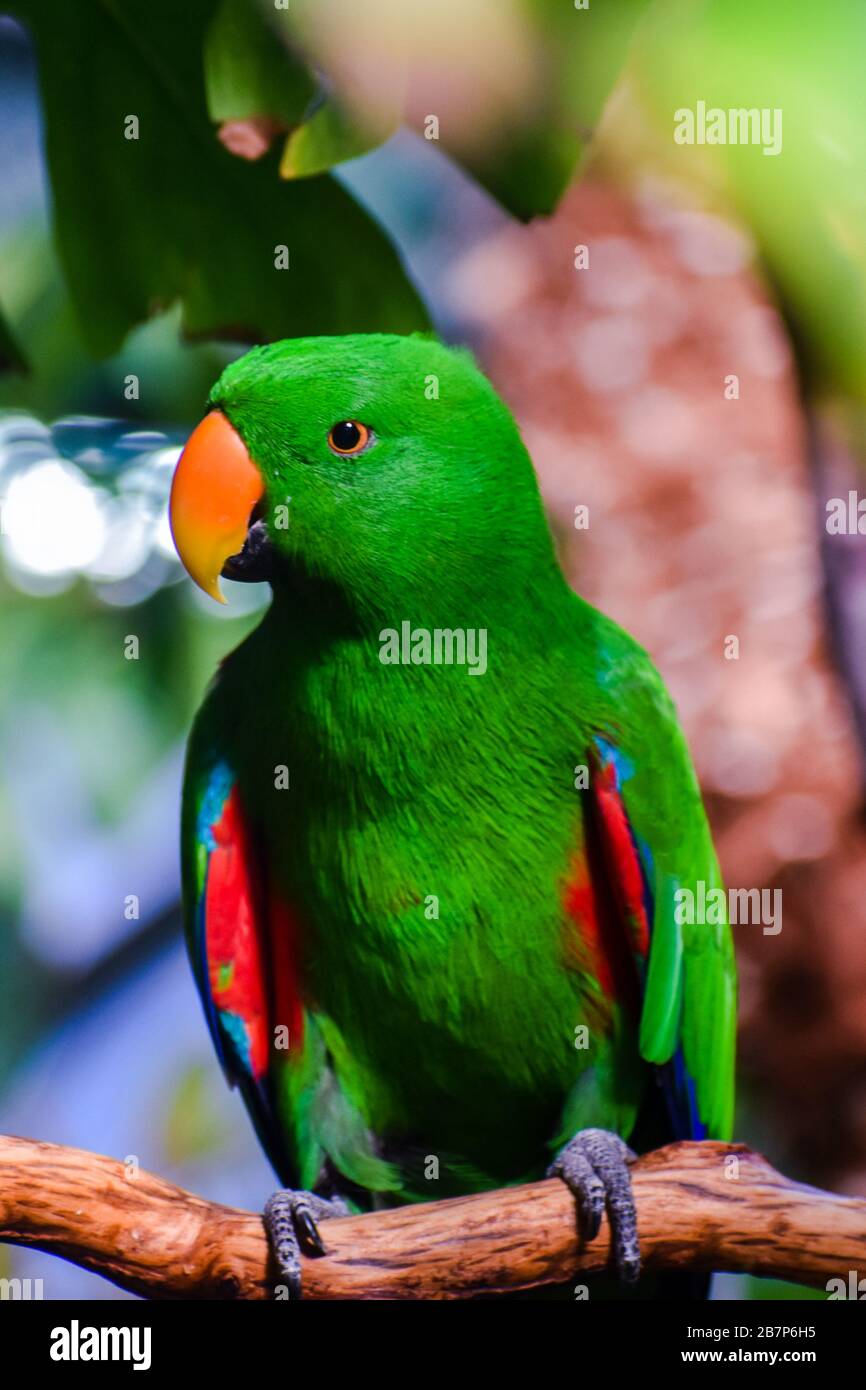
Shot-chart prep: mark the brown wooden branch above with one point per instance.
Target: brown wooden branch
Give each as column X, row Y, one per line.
column 700, row 1207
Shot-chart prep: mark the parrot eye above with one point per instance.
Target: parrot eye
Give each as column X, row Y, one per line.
column 348, row 437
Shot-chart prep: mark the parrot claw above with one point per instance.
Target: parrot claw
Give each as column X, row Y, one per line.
column 594, row 1166
column 291, row 1221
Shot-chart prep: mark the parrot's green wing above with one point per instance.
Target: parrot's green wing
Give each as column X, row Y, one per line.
column 688, row 1018
column 225, row 919
column 244, row 943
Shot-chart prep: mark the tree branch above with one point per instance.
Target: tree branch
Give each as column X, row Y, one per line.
column 700, row 1207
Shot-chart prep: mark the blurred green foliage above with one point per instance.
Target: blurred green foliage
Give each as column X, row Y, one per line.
column 806, row 206
column 582, row 53
column 172, row 216
column 248, row 72
column 149, row 207
column 191, row 1128
column 62, row 377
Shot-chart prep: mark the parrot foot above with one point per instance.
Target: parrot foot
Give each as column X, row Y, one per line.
column 291, row 1221
column 594, row 1166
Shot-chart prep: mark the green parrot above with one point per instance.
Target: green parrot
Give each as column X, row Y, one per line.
column 439, row 818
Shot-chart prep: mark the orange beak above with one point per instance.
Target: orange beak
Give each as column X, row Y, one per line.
column 214, row 489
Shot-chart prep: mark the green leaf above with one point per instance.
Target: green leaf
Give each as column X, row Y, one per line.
column 804, row 203
column 526, row 161
column 171, row 215
column 330, row 136
column 11, row 357
column 581, row 54
column 253, row 72
column 527, row 155
column 249, row 72
column 192, row 1125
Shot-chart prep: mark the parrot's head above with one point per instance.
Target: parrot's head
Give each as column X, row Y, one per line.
column 385, row 466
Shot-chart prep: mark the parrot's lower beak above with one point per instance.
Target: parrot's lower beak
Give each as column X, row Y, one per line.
column 215, row 488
